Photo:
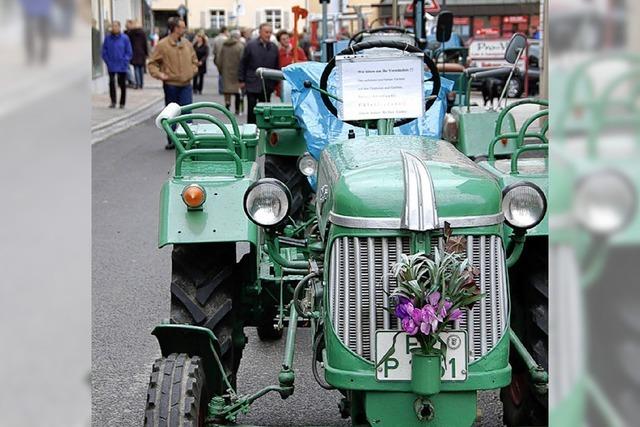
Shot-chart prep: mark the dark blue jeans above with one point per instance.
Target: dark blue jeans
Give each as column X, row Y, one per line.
column 138, row 71
column 181, row 95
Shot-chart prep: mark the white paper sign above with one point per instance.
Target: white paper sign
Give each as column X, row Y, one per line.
column 390, row 88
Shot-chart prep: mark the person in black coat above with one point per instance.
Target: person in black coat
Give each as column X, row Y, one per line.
column 201, row 47
column 140, row 50
column 260, row 52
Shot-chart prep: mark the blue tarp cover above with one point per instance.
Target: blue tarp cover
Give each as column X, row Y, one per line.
column 321, row 127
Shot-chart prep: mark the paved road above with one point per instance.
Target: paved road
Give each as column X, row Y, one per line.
column 131, row 295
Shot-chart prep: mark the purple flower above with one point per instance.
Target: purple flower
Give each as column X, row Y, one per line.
column 430, row 318
column 433, row 298
column 446, row 305
column 401, row 307
column 409, row 326
column 455, row 314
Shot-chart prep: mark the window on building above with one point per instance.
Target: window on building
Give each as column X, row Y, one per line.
column 218, row 19
column 273, row 17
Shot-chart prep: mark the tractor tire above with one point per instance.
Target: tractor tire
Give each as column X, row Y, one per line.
column 267, row 330
column 521, row 405
column 285, row 169
column 202, row 294
column 177, row 394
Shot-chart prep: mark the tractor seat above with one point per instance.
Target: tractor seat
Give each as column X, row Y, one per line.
column 247, row 131
column 450, row 68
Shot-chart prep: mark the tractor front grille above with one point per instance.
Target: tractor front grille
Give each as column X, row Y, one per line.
column 360, row 280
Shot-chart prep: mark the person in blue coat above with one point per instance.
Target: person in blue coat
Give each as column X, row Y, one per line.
column 116, row 53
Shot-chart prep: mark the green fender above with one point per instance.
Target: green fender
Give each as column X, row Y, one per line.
column 476, row 129
column 222, row 217
column 194, row 341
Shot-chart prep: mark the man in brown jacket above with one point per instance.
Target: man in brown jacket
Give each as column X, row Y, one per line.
column 174, row 61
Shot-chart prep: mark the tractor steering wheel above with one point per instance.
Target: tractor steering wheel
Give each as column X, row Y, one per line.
column 357, row 37
column 435, row 77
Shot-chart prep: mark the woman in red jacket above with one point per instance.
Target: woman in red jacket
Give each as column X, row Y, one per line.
column 288, row 54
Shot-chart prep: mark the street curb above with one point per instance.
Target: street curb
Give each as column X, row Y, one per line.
column 105, row 130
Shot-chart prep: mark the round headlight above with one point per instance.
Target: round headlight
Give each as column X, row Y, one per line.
column 604, row 202
column 267, row 202
column 523, row 205
column 307, row 165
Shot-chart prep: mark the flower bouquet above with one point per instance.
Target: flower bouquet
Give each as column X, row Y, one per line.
column 432, row 293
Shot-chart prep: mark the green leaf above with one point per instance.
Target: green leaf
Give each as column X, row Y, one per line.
column 391, row 350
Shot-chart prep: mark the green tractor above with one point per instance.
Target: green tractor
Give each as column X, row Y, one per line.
column 471, row 128
column 246, row 254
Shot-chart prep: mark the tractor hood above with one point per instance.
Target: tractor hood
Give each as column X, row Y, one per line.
column 403, row 182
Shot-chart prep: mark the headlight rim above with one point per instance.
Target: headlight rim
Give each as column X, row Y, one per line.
column 262, row 181
column 530, row 184
column 302, row 157
column 581, row 182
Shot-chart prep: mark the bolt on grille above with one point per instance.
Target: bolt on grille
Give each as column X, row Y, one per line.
column 359, row 283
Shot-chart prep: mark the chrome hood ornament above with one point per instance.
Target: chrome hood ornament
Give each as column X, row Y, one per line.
column 419, row 212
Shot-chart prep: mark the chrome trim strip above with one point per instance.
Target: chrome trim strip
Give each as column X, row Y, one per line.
column 347, row 310
column 494, row 291
column 419, row 212
column 395, row 223
column 372, row 293
column 358, row 268
column 483, row 302
column 385, row 283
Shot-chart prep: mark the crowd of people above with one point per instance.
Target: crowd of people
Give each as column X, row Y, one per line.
column 179, row 60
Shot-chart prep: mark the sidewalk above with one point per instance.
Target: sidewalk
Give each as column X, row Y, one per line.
column 142, row 105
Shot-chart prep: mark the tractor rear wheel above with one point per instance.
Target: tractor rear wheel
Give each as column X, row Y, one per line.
column 177, row 394
column 285, row 169
column 522, row 406
column 202, row 293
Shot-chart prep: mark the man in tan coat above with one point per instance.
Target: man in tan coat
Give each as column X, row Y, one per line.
column 174, row 61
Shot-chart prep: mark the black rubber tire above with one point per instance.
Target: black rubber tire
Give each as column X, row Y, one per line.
column 177, row 395
column 533, row 280
column 202, row 293
column 267, row 330
column 285, row 169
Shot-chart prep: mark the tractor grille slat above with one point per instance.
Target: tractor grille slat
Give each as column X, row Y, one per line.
column 360, row 281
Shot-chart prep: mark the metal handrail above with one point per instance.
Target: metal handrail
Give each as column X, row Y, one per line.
column 512, row 135
column 510, row 107
column 234, row 123
column 523, row 149
column 184, row 153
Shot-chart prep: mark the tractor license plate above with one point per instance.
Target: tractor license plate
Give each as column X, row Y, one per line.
column 398, row 366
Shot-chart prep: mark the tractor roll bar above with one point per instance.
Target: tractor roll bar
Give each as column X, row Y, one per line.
column 269, row 73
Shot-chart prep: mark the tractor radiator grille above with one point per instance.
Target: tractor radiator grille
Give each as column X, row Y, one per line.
column 359, row 280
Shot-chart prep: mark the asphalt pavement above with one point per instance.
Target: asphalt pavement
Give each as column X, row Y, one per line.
column 130, row 295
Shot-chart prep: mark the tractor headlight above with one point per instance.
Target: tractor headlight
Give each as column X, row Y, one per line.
column 523, row 205
column 307, row 165
column 267, row 202
column 604, row 202
column 450, row 128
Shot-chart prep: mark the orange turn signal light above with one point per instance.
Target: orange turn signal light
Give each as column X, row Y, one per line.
column 193, row 196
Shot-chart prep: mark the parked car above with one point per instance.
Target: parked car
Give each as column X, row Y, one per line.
column 489, row 53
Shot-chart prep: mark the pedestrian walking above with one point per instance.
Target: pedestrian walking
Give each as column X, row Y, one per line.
column 201, row 46
column 259, row 52
column 116, row 53
column 175, row 63
column 37, row 20
column 218, row 41
column 288, row 54
column 228, row 62
column 140, row 50
column 154, row 37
